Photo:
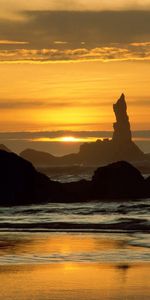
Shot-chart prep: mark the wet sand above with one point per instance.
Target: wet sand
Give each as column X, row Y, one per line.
column 74, row 266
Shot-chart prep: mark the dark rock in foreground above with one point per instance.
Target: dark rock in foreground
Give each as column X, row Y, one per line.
column 4, row 148
column 21, row 184
column 118, row 180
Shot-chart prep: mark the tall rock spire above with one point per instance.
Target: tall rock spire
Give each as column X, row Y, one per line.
column 122, row 132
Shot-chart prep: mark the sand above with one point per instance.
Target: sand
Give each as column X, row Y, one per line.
column 74, row 266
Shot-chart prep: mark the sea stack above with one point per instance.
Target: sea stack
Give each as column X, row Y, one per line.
column 123, row 148
column 122, row 132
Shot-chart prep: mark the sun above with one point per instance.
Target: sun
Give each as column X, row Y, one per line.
column 70, row 139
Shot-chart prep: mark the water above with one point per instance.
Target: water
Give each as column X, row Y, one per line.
column 95, row 250
column 95, row 216
column 69, row 173
column 44, row 248
column 85, row 266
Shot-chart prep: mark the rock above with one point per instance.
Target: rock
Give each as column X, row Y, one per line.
column 123, row 146
column 120, row 147
column 44, row 159
column 77, row 191
column 118, row 181
column 21, row 184
column 97, row 153
column 147, row 183
column 122, row 132
column 4, row 148
column 38, row 158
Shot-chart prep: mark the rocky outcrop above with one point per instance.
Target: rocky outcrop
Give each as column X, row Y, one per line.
column 122, row 145
column 122, row 132
column 38, row 158
column 3, row 147
column 118, row 180
column 21, row 184
column 44, row 159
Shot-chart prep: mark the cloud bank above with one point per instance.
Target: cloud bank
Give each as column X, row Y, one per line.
column 145, row 134
column 13, row 6
column 127, row 52
column 46, row 36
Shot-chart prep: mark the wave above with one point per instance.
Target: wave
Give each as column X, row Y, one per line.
column 121, row 225
column 92, row 216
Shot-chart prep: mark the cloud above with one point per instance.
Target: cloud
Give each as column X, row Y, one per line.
column 52, row 36
column 51, row 103
column 60, row 43
column 126, row 52
column 12, row 7
column 139, row 44
column 42, row 28
column 95, row 28
column 9, row 42
column 76, row 35
column 142, row 102
column 72, row 102
column 145, row 134
column 52, row 134
column 9, row 104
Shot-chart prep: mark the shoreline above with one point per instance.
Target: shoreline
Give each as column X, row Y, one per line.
column 60, row 247
column 74, row 266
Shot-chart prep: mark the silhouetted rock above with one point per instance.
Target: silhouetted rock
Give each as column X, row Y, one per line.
column 120, row 147
column 122, row 132
column 77, row 191
column 38, row 157
column 21, row 184
column 123, row 146
column 4, row 148
column 118, row 180
column 147, row 183
column 44, row 159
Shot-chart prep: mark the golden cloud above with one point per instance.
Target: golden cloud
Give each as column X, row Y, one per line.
column 9, row 42
column 134, row 51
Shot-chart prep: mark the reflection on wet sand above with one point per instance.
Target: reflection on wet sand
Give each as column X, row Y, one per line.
column 74, row 281
column 73, row 266
column 54, row 247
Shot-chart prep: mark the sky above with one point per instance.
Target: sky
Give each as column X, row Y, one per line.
column 64, row 63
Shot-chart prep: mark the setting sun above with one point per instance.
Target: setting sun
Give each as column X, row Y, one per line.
column 69, row 139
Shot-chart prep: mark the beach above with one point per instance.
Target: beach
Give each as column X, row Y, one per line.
column 74, row 266
column 75, row 251
column 75, row 150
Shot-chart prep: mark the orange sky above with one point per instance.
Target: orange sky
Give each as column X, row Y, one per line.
column 75, row 96
column 63, row 69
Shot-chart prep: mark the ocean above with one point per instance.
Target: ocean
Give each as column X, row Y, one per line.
column 94, row 250
column 99, row 216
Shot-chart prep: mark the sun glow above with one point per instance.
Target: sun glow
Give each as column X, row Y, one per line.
column 66, row 139
column 69, row 139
